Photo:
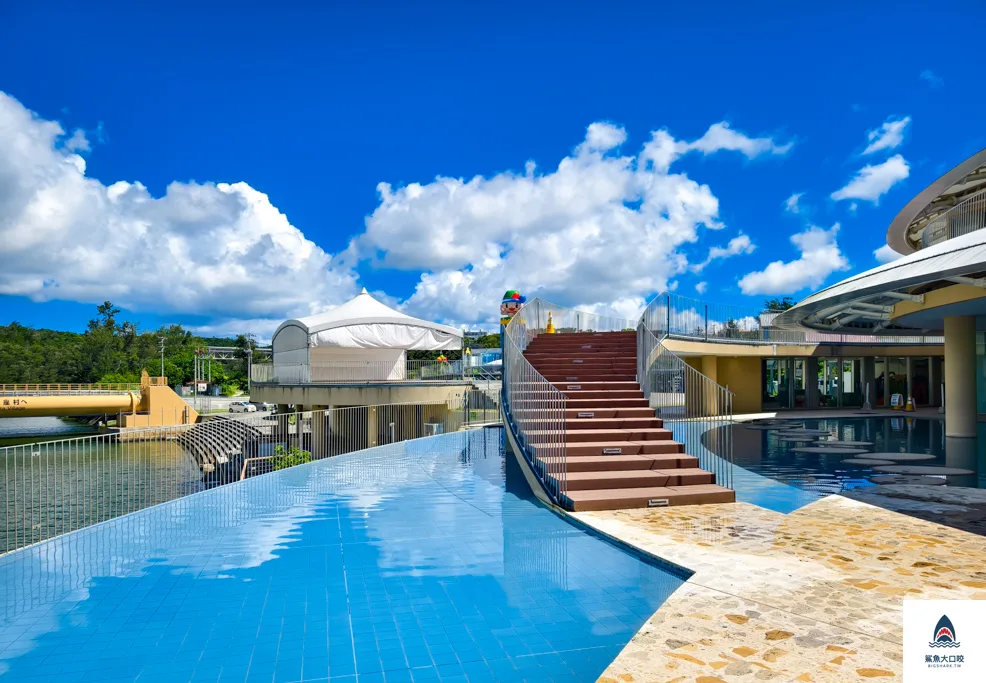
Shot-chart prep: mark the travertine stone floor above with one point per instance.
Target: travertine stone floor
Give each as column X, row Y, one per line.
column 815, row 595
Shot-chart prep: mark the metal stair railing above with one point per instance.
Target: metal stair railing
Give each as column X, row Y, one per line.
column 534, row 407
column 697, row 410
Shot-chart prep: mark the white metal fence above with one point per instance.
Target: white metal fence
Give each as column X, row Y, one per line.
column 51, row 488
column 534, row 407
column 66, row 389
column 686, row 318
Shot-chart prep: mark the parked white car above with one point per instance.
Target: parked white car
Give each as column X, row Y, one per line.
column 242, row 407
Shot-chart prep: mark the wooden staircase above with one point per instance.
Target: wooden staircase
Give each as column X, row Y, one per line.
column 618, row 454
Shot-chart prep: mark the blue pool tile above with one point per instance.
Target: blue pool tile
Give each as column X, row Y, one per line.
column 422, row 562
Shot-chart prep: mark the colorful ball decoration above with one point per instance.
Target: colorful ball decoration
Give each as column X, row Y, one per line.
column 510, row 304
column 442, row 359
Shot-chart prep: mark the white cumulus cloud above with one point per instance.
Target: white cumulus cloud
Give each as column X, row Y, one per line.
column 600, row 230
column 889, row 135
column 216, row 249
column 791, row 204
column 740, row 244
column 701, row 287
column 720, row 136
column 932, row 78
column 78, row 142
column 820, row 257
column 885, row 254
column 874, row 180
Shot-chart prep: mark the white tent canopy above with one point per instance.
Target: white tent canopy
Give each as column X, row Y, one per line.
column 360, row 333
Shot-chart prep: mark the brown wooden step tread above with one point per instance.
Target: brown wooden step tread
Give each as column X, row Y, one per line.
column 608, row 413
column 596, row 463
column 579, row 448
column 637, row 434
column 619, row 499
column 617, row 479
column 612, row 423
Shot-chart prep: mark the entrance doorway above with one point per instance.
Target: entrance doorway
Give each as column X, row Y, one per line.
column 852, row 383
column 829, row 382
column 777, row 384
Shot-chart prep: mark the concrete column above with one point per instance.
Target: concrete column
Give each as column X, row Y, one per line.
column 960, row 376
column 909, row 374
column 789, row 368
column 934, row 381
column 811, row 383
column 867, row 372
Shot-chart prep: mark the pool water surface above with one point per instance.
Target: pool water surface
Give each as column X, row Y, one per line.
column 784, row 479
column 421, row 561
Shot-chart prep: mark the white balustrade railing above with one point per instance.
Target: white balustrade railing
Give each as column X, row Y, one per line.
column 355, row 372
column 967, row 216
column 682, row 317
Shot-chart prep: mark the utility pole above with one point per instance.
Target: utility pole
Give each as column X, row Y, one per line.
column 249, row 354
column 161, row 340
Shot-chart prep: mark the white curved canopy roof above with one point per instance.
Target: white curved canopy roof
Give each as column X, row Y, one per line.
column 364, row 322
column 876, row 290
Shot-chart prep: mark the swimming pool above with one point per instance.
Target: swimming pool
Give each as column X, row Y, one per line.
column 427, row 560
column 806, row 476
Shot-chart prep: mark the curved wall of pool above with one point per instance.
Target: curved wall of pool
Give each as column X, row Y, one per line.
column 428, row 560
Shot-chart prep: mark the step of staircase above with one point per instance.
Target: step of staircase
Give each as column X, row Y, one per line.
column 655, row 447
column 578, row 376
column 611, row 463
column 607, row 413
column 612, row 423
column 618, row 454
column 625, row 479
column 604, row 403
column 621, row 499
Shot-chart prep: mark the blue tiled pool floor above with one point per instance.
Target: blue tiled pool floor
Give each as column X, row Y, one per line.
column 423, row 561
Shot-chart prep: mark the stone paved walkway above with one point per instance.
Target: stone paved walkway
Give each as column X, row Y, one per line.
column 815, row 595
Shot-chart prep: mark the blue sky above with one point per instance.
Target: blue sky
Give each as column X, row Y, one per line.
column 227, row 169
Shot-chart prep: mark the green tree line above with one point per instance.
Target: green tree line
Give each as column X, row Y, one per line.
column 111, row 350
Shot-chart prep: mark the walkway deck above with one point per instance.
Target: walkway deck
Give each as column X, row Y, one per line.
column 813, row 596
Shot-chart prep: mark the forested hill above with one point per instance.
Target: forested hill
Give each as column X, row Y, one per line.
column 111, row 350
column 114, row 351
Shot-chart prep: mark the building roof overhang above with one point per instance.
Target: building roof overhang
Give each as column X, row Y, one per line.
column 865, row 303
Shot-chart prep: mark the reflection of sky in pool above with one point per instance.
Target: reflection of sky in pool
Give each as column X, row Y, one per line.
column 426, row 560
column 770, row 474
